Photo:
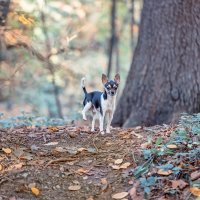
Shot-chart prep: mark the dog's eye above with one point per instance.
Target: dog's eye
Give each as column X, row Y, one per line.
column 115, row 86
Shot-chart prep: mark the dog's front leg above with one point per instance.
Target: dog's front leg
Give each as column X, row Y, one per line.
column 101, row 120
column 110, row 117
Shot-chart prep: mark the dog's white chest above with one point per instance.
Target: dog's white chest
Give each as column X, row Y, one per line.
column 108, row 104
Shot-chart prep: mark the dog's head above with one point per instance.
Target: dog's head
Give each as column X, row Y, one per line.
column 111, row 86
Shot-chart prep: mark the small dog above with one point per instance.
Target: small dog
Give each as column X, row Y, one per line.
column 101, row 103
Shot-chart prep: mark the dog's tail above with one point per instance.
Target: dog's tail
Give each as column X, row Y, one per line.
column 83, row 85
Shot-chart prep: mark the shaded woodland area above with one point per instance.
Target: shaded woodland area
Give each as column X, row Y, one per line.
column 47, row 151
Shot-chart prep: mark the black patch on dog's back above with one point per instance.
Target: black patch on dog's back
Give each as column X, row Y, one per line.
column 95, row 98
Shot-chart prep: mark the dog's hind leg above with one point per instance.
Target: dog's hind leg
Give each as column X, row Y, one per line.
column 95, row 116
column 85, row 109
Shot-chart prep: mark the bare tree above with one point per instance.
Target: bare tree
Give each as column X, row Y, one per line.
column 113, row 36
column 50, row 66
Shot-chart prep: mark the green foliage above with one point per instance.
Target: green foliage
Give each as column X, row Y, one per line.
column 188, row 131
column 146, row 183
column 159, row 141
column 187, row 139
column 142, row 169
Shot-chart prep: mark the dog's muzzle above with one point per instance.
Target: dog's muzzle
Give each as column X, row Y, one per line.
column 112, row 93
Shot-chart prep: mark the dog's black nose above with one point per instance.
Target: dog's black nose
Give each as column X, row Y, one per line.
column 112, row 93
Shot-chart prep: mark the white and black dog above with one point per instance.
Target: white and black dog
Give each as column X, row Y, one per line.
column 101, row 103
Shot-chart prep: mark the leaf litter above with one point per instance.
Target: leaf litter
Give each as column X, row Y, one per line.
column 139, row 158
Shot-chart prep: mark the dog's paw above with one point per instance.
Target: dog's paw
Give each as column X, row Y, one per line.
column 84, row 118
column 107, row 130
column 102, row 132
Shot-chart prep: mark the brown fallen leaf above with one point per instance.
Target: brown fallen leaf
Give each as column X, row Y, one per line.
column 136, row 134
column 145, row 145
column 195, row 175
column 104, row 181
column 7, row 150
column 123, row 133
column 53, row 129
column 35, row 191
column 82, row 171
column 120, row 195
column 172, row 146
column 90, row 198
column 18, row 166
column 164, row 172
column 130, row 182
column 195, row 191
column 125, row 165
column 104, row 184
column 122, row 166
column 60, row 149
column 72, row 134
column 118, row 161
column 109, row 143
column 31, row 185
column 126, row 136
column 51, row 143
column 82, row 149
column 26, row 156
column 133, row 194
column 115, row 167
column 74, row 187
column 1, row 167
column 76, row 182
column 179, row 184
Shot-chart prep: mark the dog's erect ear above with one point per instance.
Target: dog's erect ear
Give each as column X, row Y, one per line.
column 117, row 78
column 104, row 79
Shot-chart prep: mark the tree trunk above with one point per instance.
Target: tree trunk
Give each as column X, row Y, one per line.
column 112, row 38
column 4, row 8
column 164, row 79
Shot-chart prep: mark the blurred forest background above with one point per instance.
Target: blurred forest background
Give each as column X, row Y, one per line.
column 46, row 46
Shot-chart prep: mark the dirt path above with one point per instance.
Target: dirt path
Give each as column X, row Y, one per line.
column 52, row 159
column 69, row 163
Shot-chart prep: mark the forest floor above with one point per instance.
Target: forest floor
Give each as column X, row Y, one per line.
column 68, row 162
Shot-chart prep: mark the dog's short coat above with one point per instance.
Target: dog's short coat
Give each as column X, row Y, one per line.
column 101, row 103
